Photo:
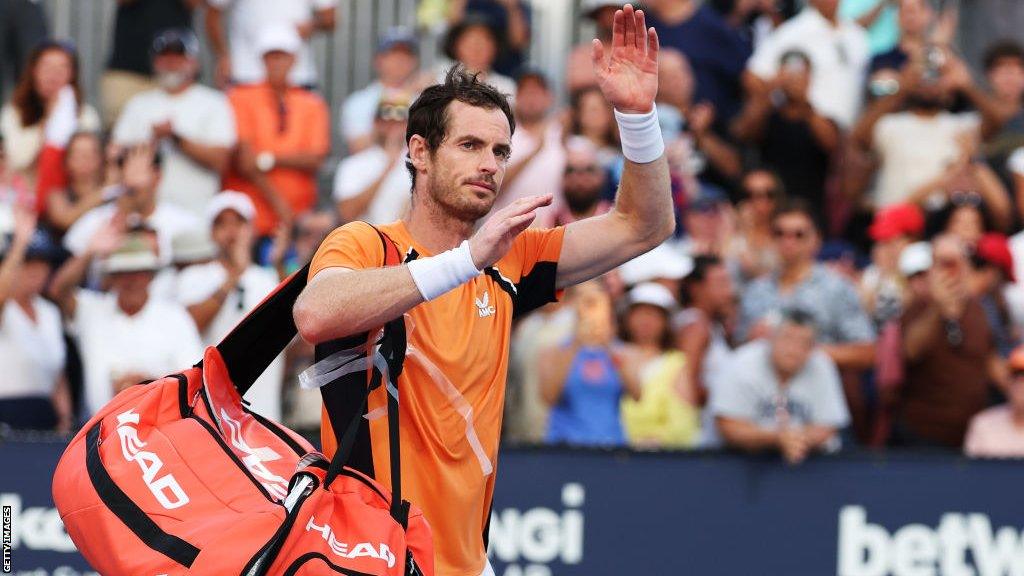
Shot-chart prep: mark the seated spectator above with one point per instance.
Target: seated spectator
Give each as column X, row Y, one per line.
column 33, row 391
column 781, row 394
column 51, row 66
column 511, row 20
column 992, row 272
column 931, row 139
column 998, row 432
column 235, row 44
column 666, row 415
column 716, row 52
column 591, row 117
column 85, row 173
column 584, row 380
column 476, row 44
column 374, row 185
column 701, row 335
column 192, row 124
column 583, row 184
column 538, row 157
column 965, row 217
column 188, row 248
column 791, row 136
column 129, row 70
column 396, row 65
column 124, row 335
column 220, row 293
column 663, row 265
column 949, row 355
column 839, row 53
column 709, row 223
column 751, row 248
column 136, row 205
column 878, row 18
column 283, row 138
column 579, row 69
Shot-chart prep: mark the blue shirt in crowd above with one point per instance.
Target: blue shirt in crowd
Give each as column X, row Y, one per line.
column 588, row 412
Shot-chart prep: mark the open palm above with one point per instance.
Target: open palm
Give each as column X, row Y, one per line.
column 629, row 78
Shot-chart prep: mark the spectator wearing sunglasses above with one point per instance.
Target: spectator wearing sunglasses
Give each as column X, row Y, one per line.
column 374, row 185
column 283, row 139
column 999, row 431
column 752, row 247
column 583, row 183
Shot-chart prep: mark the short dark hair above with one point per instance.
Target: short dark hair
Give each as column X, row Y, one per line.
column 428, row 115
column 797, row 206
column 1002, row 49
column 799, row 317
column 701, row 265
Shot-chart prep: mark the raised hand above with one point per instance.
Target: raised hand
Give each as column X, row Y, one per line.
column 629, row 78
column 494, row 239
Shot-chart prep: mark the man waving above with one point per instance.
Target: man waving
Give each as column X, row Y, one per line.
column 460, row 290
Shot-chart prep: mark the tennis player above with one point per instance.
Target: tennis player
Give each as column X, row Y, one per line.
column 460, row 289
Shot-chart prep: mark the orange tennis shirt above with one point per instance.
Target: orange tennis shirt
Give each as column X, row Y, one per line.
column 452, row 386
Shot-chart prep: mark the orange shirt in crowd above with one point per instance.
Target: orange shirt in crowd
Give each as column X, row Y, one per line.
column 299, row 124
column 452, row 386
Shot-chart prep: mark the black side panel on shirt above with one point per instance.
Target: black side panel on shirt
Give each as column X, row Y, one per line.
column 535, row 289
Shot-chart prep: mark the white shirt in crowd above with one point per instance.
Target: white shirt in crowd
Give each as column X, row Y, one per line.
column 168, row 220
column 245, row 21
column 542, row 174
column 839, row 58
column 197, row 283
column 358, row 172
column 200, row 114
column 32, row 353
column 914, row 150
column 160, row 339
column 359, row 110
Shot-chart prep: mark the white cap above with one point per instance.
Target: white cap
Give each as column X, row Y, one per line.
column 915, row 258
column 131, row 261
column 230, row 200
column 192, row 246
column 652, row 294
column 662, row 262
column 278, row 37
column 591, row 6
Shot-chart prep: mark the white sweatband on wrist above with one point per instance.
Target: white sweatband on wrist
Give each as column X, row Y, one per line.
column 641, row 136
column 437, row 275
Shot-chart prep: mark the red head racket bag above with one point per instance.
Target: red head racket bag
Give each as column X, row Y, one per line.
column 176, row 476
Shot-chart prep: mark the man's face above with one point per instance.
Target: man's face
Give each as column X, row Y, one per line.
column 278, row 64
column 174, row 70
column 795, row 238
column 583, row 181
column 396, row 64
column 795, row 77
column 1006, row 76
column 32, row 278
column 132, row 285
column 465, row 173
column 791, row 347
column 533, row 100
column 227, row 229
column 718, row 289
column 915, row 16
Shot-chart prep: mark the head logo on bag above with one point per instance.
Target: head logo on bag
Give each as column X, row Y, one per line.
column 363, row 549
column 166, row 489
column 255, row 457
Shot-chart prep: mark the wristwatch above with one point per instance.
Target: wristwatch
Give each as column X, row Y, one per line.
column 265, row 161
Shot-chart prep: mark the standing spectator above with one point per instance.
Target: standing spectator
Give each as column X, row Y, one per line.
column 193, row 124
column 983, row 20
column 374, row 185
column 998, row 432
column 33, row 391
column 709, row 224
column 878, row 18
column 918, row 29
column 51, row 66
column 124, row 335
column 476, row 44
column 700, row 334
column 882, row 286
column 993, row 271
column 666, row 415
column 22, row 27
column 579, row 71
column 949, row 355
column 130, row 68
column 220, row 293
column 752, row 248
column 583, row 184
column 584, row 380
column 283, row 138
column 781, row 394
column 511, row 20
column 716, row 52
column 85, row 170
column 236, row 47
column 792, row 137
column 396, row 65
column 839, row 56
column 538, row 157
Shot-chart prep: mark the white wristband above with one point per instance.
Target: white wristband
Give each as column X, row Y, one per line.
column 641, row 136
column 437, row 275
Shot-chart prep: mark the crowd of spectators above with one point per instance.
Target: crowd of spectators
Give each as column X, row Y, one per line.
column 847, row 267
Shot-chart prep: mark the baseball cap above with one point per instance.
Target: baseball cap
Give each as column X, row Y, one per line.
column 915, row 258
column 652, row 294
column 134, row 255
column 590, row 7
column 230, row 200
column 993, row 248
column 177, row 41
column 661, row 262
column 396, row 37
column 895, row 221
column 192, row 246
column 278, row 39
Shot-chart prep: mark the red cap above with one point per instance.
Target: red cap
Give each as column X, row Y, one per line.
column 895, row 221
column 995, row 249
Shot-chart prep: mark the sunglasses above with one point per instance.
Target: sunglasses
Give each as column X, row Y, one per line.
column 592, row 169
column 393, row 113
column 965, row 198
column 761, row 195
column 797, row 234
